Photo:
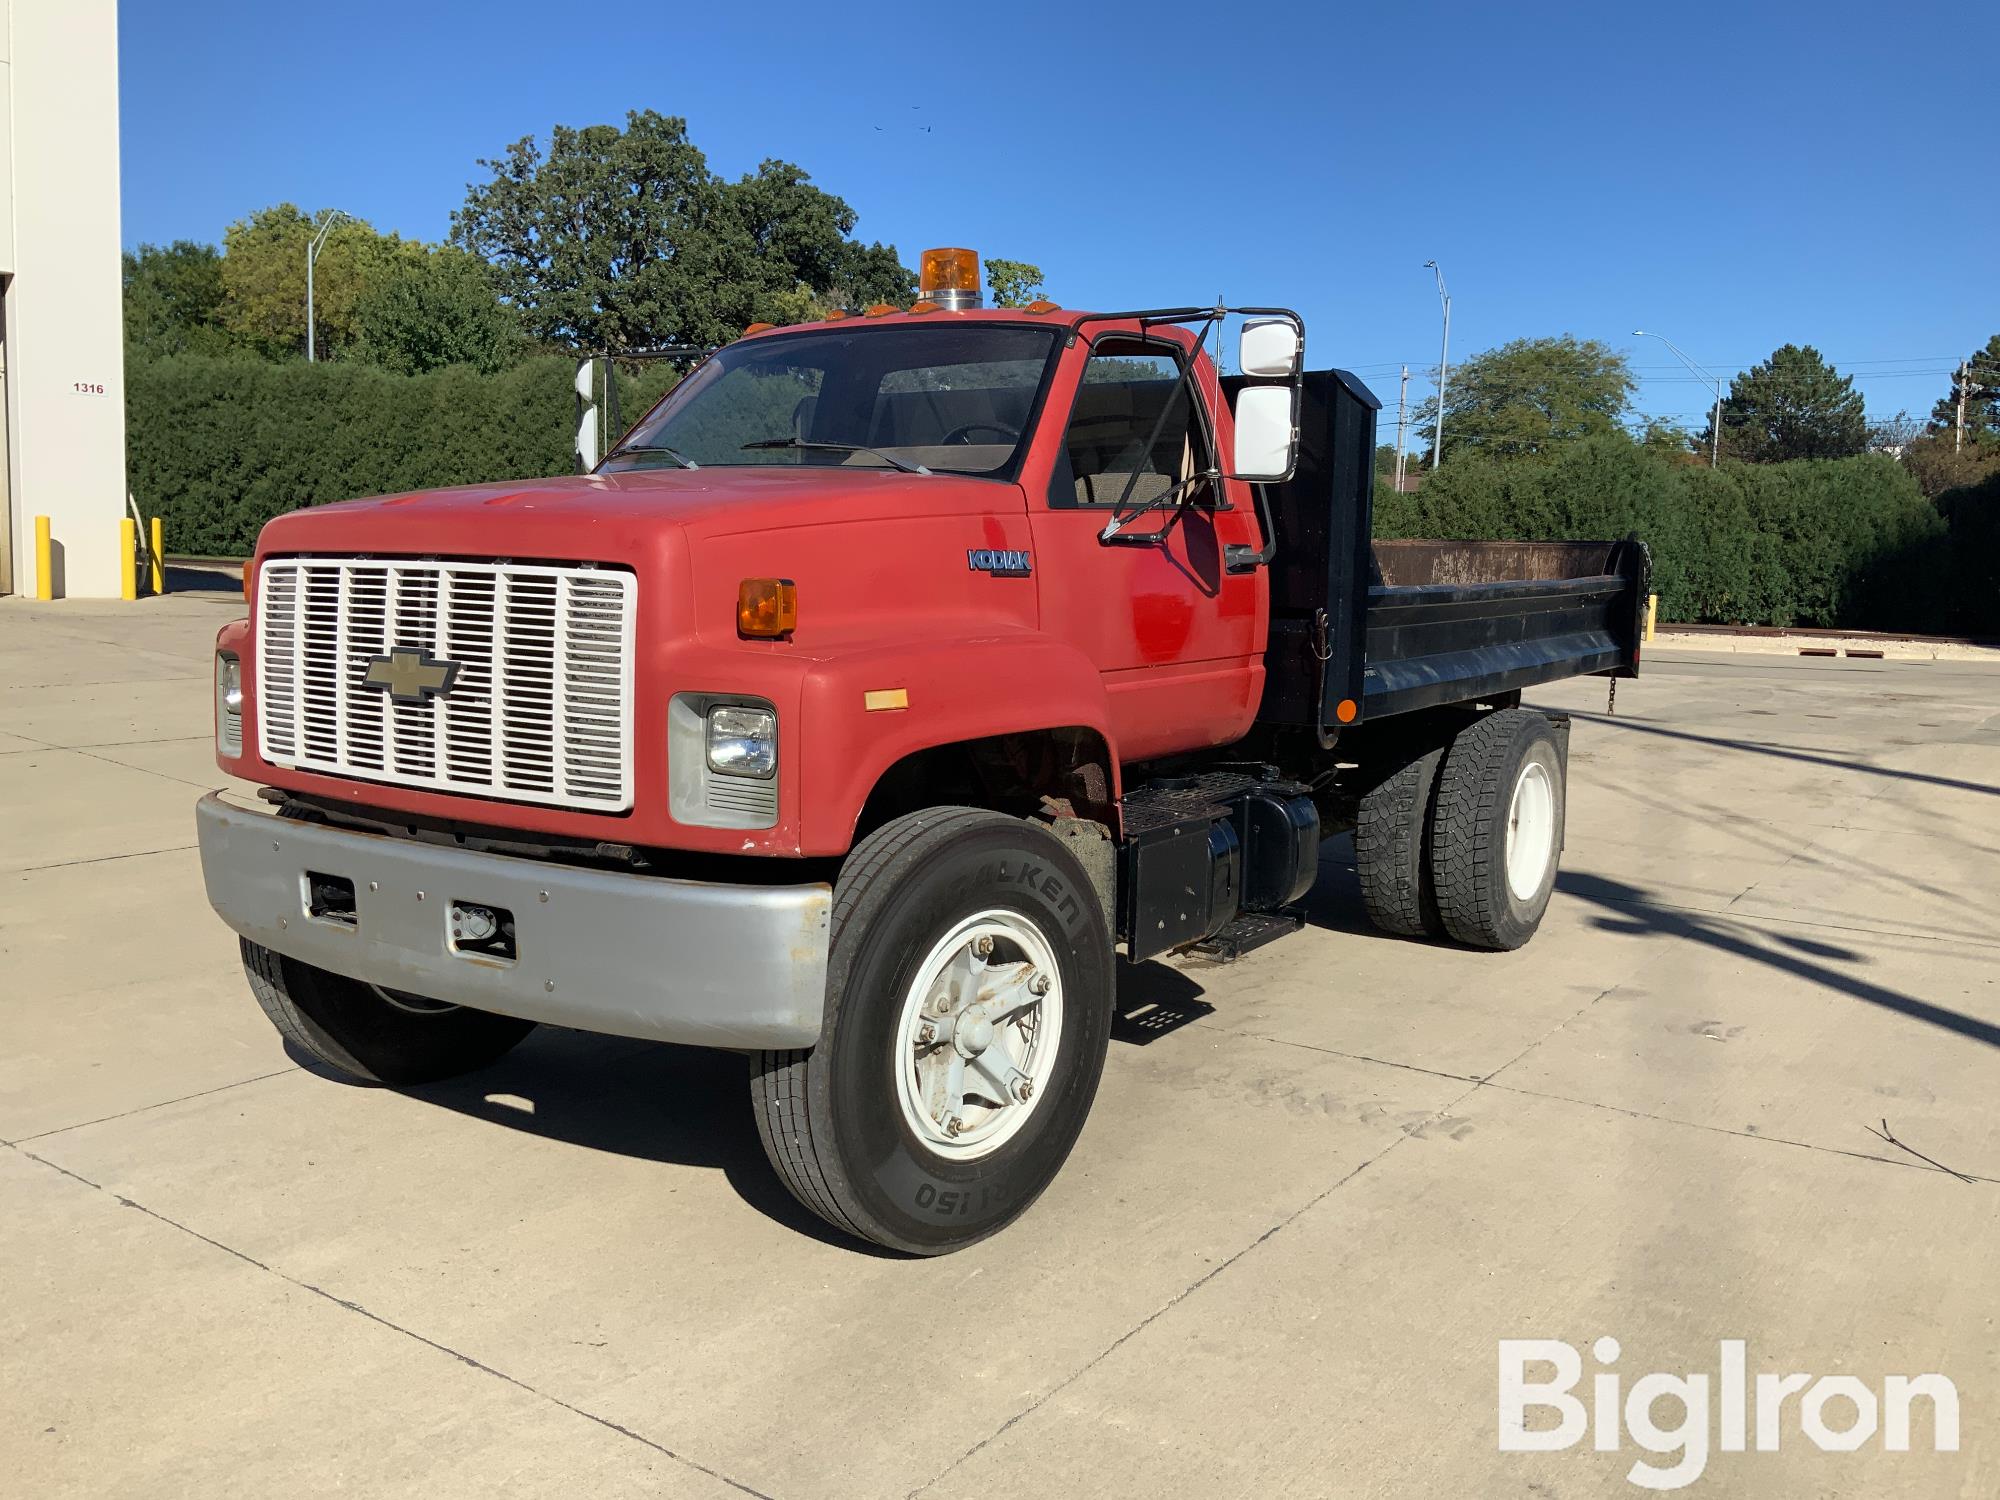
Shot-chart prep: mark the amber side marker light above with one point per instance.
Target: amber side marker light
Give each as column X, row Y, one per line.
column 766, row 608
column 246, row 583
column 1345, row 710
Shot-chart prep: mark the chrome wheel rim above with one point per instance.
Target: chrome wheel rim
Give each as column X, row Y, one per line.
column 1531, row 831
column 977, row 1036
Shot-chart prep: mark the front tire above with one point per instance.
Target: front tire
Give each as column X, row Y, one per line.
column 374, row 1035
column 968, row 1011
column 1497, row 834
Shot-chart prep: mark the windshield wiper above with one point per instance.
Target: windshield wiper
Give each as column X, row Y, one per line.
column 793, row 442
column 682, row 459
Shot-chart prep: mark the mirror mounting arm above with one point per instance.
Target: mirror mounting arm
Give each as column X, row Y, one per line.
column 1241, row 557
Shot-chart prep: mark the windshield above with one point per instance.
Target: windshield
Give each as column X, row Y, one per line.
column 940, row 397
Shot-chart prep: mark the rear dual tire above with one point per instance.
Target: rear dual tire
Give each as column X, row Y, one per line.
column 1497, row 829
column 1464, row 840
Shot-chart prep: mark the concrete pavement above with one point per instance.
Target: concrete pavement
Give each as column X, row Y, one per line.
column 1319, row 1186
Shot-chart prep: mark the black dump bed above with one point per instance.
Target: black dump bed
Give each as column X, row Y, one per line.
column 1394, row 626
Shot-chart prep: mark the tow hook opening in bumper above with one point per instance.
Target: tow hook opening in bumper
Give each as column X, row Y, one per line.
column 330, row 898
column 484, row 931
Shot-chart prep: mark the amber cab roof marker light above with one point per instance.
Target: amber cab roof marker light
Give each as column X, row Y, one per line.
column 1042, row 305
column 767, row 609
column 922, row 305
column 950, row 278
column 758, row 328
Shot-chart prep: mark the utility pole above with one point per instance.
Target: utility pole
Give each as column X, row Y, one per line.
column 1715, row 419
column 1964, row 379
column 1402, row 418
column 313, row 248
column 1444, row 366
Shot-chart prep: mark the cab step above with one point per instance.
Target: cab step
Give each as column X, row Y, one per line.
column 1249, row 932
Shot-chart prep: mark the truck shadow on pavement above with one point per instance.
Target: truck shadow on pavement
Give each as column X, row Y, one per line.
column 1628, row 910
column 1788, row 752
column 683, row 1106
column 690, row 1106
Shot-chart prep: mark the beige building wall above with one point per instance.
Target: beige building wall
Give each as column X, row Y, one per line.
column 63, row 336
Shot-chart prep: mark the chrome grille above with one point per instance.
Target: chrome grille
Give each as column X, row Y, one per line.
column 540, row 709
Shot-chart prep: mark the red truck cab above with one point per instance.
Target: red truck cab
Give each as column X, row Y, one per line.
column 881, row 682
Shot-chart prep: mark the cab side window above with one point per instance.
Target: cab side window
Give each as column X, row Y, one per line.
column 1133, row 433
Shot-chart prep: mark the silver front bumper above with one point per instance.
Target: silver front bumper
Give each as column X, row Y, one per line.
column 632, row 955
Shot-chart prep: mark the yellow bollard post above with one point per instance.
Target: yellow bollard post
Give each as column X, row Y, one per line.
column 45, row 561
column 159, row 560
column 128, row 558
column 1652, row 615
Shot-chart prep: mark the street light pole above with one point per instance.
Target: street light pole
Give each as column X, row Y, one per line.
column 1444, row 365
column 1715, row 419
column 313, row 248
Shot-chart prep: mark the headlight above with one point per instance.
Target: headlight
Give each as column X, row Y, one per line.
column 228, row 704
column 743, row 741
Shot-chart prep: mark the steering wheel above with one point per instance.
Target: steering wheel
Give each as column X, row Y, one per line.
column 962, row 433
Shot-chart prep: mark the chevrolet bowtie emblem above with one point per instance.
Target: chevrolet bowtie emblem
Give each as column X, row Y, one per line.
column 410, row 676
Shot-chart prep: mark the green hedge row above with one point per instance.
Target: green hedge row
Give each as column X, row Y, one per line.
column 1843, row 542
column 219, row 446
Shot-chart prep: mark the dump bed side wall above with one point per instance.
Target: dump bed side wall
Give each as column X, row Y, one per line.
column 1396, row 626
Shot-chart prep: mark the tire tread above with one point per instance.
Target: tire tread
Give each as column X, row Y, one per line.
column 1468, row 839
column 1391, row 849
column 779, row 1079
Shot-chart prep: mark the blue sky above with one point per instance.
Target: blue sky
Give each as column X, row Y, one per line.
column 1734, row 179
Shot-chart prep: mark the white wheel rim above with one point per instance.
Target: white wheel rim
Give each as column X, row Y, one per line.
column 1531, row 831
column 976, row 1042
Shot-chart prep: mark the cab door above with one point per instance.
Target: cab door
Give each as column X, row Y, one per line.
column 1177, row 636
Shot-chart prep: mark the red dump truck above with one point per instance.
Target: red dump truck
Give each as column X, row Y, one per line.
column 890, row 682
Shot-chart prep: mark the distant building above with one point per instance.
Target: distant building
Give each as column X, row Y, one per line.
column 62, row 344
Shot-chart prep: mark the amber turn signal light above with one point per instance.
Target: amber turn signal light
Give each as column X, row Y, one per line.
column 766, row 608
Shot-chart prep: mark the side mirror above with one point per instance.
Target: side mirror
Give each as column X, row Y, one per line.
column 1266, row 441
column 586, row 416
column 1269, row 349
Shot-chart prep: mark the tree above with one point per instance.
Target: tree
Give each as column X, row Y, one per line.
column 624, row 239
column 1891, row 435
column 800, row 238
column 433, row 308
column 1015, row 283
column 1980, row 376
column 173, row 301
column 264, row 279
column 1531, row 396
column 1793, row 405
column 1671, row 441
column 1939, row 463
